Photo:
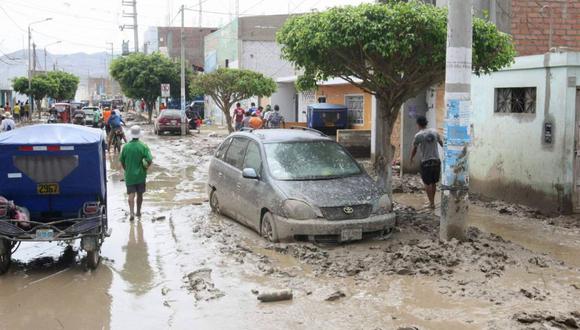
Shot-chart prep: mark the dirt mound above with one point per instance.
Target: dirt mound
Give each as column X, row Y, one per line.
column 548, row 320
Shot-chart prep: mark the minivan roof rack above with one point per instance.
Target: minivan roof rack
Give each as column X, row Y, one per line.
column 309, row 129
column 247, row 129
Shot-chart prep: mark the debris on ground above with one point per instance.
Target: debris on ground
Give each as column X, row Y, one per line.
column 201, row 285
column 275, row 296
column 335, row 296
column 558, row 320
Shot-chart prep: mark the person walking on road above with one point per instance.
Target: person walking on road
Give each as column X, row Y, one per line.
column 239, row 116
column 426, row 141
column 255, row 121
column 26, row 112
column 8, row 123
column 275, row 119
column 246, row 120
column 135, row 159
column 16, row 111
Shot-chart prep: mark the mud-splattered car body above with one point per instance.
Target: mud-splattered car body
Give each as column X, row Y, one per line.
column 296, row 184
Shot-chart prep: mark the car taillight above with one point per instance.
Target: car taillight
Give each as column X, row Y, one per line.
column 91, row 208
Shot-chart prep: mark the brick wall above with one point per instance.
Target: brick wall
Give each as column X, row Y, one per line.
column 531, row 25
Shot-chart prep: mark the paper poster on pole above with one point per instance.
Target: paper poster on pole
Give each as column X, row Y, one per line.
column 165, row 90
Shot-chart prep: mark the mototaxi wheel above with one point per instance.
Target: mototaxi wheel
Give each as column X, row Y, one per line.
column 5, row 255
column 93, row 259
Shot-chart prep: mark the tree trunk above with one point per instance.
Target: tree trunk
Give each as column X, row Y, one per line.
column 150, row 106
column 384, row 151
column 229, row 120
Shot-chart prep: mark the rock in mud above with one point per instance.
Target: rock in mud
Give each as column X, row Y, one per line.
column 335, row 296
column 201, row 285
column 275, row 296
column 538, row 261
column 558, row 320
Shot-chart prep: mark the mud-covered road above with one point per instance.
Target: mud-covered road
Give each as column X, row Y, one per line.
column 183, row 267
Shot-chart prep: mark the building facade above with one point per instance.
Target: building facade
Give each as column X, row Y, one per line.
column 167, row 40
column 525, row 132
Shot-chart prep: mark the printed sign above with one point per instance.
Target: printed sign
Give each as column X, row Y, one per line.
column 165, row 90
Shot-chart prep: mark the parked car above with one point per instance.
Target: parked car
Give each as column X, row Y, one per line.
column 296, row 184
column 171, row 120
column 90, row 115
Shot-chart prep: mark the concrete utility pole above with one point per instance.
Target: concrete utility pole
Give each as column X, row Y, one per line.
column 45, row 47
column 30, row 100
column 454, row 199
column 111, row 78
column 182, row 59
column 200, row 9
column 134, row 26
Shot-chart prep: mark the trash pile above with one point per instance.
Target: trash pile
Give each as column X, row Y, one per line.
column 16, row 214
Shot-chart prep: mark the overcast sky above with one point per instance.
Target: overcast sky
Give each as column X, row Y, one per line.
column 88, row 25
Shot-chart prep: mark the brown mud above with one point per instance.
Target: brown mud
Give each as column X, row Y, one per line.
column 183, row 267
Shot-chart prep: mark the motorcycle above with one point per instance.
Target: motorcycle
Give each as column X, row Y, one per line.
column 117, row 141
column 79, row 119
column 52, row 119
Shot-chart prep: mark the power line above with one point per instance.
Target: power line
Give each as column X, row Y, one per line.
column 12, row 20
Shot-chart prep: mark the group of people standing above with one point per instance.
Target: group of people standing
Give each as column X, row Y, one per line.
column 20, row 112
column 257, row 117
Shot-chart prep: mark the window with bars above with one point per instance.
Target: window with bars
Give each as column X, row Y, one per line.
column 515, row 100
column 355, row 106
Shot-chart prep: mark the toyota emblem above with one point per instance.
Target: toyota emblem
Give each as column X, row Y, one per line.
column 348, row 210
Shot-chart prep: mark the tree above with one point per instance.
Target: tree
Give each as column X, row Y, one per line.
column 40, row 87
column 226, row 87
column 65, row 83
column 141, row 76
column 392, row 50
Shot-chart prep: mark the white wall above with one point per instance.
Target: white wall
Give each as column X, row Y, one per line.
column 285, row 98
column 509, row 159
column 264, row 57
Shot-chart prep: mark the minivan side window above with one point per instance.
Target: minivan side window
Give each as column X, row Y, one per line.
column 253, row 159
column 236, row 152
column 221, row 152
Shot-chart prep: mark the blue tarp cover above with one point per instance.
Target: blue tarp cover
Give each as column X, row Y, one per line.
column 80, row 168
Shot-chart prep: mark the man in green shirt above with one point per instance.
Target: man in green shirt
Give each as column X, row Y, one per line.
column 136, row 159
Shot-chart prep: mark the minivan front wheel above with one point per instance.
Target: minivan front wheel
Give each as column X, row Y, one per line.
column 267, row 228
column 213, row 202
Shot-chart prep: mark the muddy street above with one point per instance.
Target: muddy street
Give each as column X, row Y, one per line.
column 181, row 266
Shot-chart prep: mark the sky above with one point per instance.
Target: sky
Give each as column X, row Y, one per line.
column 89, row 25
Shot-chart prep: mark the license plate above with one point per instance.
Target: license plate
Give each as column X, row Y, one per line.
column 45, row 234
column 48, row 189
column 174, row 122
column 351, row 235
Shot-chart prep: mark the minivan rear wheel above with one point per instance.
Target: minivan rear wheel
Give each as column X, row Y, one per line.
column 267, row 228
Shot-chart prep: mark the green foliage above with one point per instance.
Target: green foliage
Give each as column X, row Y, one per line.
column 64, row 85
column 391, row 50
column 228, row 86
column 40, row 86
column 141, row 76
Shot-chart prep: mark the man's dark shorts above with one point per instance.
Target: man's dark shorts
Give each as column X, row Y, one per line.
column 431, row 171
column 136, row 188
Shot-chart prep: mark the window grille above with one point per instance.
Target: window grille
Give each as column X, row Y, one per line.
column 515, row 100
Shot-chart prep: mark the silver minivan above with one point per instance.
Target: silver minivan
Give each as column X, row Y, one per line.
column 296, row 184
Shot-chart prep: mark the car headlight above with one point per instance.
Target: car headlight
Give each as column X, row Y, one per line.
column 383, row 205
column 299, row 210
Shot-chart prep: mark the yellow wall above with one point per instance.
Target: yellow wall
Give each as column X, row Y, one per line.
column 335, row 94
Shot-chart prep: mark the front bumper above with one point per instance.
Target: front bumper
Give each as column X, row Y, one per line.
column 74, row 229
column 290, row 229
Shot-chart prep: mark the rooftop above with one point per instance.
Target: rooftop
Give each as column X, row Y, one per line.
column 285, row 135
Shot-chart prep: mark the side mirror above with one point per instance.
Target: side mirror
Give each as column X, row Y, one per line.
column 250, row 173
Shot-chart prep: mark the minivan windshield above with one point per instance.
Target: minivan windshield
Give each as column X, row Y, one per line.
column 312, row 160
